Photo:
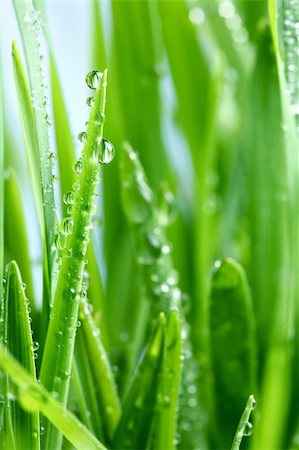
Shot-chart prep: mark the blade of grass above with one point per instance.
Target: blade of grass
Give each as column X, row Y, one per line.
column 58, row 353
column 139, row 404
column 16, row 242
column 165, row 421
column 232, row 348
column 34, row 397
column 244, row 427
column 29, row 25
column 19, row 342
column 107, row 393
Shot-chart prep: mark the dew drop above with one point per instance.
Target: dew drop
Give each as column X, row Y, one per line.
column 93, row 79
column 68, row 198
column 78, row 166
column 35, row 346
column 67, row 225
column 105, row 151
column 76, row 186
column 82, row 136
column 248, row 429
column 90, row 101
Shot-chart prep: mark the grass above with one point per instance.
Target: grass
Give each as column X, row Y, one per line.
column 168, row 312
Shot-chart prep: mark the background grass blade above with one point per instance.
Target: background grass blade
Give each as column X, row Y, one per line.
column 16, row 240
column 33, row 397
column 19, row 342
column 232, row 348
column 58, row 354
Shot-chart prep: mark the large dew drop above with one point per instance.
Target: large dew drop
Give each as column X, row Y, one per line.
column 93, row 79
column 105, row 151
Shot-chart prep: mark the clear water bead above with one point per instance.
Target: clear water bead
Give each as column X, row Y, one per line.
column 90, row 101
column 93, row 79
column 68, row 198
column 82, row 136
column 105, row 151
column 78, row 166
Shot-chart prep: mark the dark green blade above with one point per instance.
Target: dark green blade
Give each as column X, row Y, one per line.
column 232, row 348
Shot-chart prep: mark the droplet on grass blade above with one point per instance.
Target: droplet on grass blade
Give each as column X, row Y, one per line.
column 82, row 136
column 93, row 79
column 67, row 225
column 78, row 166
column 68, row 198
column 90, row 101
column 104, row 151
column 248, row 429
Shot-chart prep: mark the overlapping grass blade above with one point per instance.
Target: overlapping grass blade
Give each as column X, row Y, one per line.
column 18, row 339
column 103, row 376
column 232, row 348
column 34, row 397
column 58, row 354
column 244, row 427
column 165, row 421
column 139, row 404
column 16, row 238
column 30, row 28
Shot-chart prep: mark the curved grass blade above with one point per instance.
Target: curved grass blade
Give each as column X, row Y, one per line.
column 30, row 28
column 34, row 397
column 58, row 353
column 244, row 427
column 139, row 404
column 16, row 243
column 18, row 338
column 160, row 291
column 106, row 389
column 165, row 421
column 232, row 347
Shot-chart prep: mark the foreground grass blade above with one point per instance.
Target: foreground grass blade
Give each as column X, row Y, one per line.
column 102, row 372
column 58, row 353
column 16, row 243
column 232, row 347
column 165, row 422
column 139, row 404
column 34, row 397
column 19, row 342
column 244, row 427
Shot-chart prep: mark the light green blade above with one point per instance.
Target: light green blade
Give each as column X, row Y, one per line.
column 165, row 421
column 16, row 238
column 139, row 404
column 73, row 239
column 232, row 348
column 34, row 397
column 18, row 339
column 244, row 427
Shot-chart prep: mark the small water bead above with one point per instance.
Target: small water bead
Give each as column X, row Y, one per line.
column 42, row 431
column 69, row 209
column 68, row 198
column 82, row 136
column 90, row 102
column 35, row 346
column 76, row 186
column 52, row 157
column 248, row 429
column 67, row 226
column 93, row 79
column 99, row 117
column 78, row 166
column 105, row 151
column 59, row 242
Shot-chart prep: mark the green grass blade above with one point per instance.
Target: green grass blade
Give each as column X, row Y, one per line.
column 16, row 241
column 34, row 397
column 28, row 129
column 232, row 348
column 107, row 393
column 20, row 344
column 28, row 21
column 165, row 425
column 244, row 427
column 139, row 404
column 58, row 354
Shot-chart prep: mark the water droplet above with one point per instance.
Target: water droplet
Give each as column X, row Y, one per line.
column 68, row 198
column 59, row 242
column 99, row 117
column 35, row 346
column 67, row 225
column 90, row 102
column 76, row 186
column 105, row 151
column 42, row 431
column 93, row 79
column 82, row 136
column 52, row 157
column 78, row 166
column 248, row 429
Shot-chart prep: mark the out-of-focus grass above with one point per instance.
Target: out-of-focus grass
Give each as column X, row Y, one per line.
column 192, row 304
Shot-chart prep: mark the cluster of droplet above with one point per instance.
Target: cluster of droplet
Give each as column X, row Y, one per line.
column 233, row 21
column 290, row 38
